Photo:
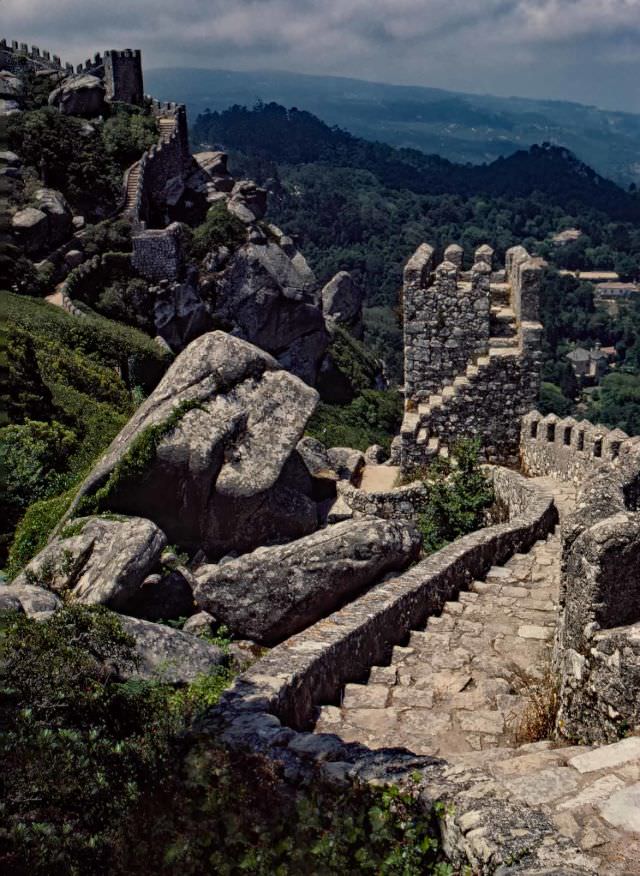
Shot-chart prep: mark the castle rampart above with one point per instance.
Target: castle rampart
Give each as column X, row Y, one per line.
column 598, row 638
column 17, row 57
column 123, row 76
column 472, row 352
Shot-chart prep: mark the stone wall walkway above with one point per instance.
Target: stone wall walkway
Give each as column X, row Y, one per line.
column 460, row 690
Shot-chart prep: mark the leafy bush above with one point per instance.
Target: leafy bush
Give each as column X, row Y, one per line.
column 33, row 530
column 220, row 228
column 79, row 749
column 372, row 418
column 109, row 236
column 458, row 497
column 135, row 355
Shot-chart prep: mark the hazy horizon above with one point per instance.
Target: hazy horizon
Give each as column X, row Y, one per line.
column 584, row 51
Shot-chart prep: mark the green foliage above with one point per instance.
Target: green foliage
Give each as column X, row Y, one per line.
column 248, row 823
column 617, row 403
column 127, row 134
column 553, row 401
column 355, row 368
column 220, row 228
column 33, row 530
column 372, row 418
column 458, row 497
column 80, row 750
column 27, row 394
column 84, row 161
column 136, row 461
column 109, row 236
column 135, row 355
column 383, row 335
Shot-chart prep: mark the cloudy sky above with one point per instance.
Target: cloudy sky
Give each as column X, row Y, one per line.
column 585, row 50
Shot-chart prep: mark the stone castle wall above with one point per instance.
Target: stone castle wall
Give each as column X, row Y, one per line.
column 472, row 352
column 123, row 76
column 17, row 57
column 158, row 254
column 598, row 638
column 169, row 159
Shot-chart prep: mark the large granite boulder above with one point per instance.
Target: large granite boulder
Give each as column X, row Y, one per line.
column 170, row 655
column 35, row 602
column 81, row 95
column 342, row 303
column 101, row 561
column 31, row 229
column 274, row 592
column 209, row 456
column 271, row 300
column 248, row 202
column 58, row 213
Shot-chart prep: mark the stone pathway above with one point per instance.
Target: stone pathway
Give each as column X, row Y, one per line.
column 458, row 689
column 460, row 685
column 379, row 478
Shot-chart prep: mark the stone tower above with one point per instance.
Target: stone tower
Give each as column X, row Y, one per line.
column 123, row 76
column 472, row 352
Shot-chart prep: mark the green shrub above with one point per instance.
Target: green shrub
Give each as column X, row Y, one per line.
column 358, row 369
column 113, row 235
column 220, row 228
column 372, row 418
column 33, row 531
column 137, row 357
column 79, row 749
column 458, row 497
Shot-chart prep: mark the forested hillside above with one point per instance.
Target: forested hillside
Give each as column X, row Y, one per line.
column 364, row 207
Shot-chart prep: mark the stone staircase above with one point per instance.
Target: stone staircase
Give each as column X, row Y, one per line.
column 422, row 424
column 133, row 180
column 166, row 126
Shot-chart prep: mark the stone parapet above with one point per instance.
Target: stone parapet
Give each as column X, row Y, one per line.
column 270, row 705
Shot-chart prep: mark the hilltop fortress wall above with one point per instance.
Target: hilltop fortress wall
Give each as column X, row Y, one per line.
column 472, row 352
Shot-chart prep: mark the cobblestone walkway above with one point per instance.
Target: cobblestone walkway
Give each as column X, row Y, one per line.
column 458, row 690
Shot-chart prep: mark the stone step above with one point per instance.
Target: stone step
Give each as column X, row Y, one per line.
column 503, row 352
column 434, row 445
column 461, row 382
column 500, row 341
column 435, row 401
column 423, row 434
column 443, row 452
column 472, row 371
column 448, row 392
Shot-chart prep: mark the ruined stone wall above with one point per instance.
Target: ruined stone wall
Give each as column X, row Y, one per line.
column 123, row 76
column 158, row 254
column 597, row 653
column 403, row 502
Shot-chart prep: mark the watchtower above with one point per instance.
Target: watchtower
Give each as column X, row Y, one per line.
column 123, row 76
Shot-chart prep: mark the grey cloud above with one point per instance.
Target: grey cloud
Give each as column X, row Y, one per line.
column 579, row 49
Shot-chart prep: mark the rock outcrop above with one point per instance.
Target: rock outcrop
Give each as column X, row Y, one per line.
column 209, row 456
column 271, row 300
column 342, row 303
column 170, row 655
column 81, row 95
column 35, row 602
column 274, row 592
column 103, row 562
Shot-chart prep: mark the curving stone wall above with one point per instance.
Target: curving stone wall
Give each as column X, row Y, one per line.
column 269, row 706
column 597, row 651
column 404, row 502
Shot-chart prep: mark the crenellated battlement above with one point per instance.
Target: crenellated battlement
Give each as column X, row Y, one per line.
column 472, row 351
column 16, row 56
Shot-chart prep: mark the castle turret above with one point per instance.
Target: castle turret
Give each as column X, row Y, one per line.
column 123, row 76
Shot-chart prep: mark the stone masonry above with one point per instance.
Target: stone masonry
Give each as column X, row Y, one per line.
column 597, row 652
column 472, row 352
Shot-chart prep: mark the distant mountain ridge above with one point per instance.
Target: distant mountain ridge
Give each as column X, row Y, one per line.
column 296, row 137
column 460, row 127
